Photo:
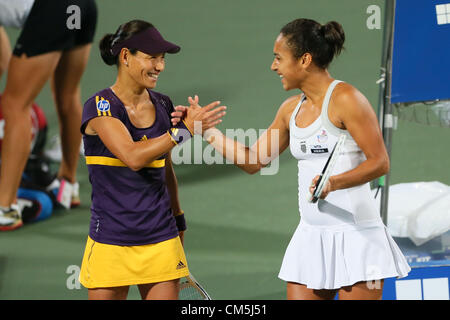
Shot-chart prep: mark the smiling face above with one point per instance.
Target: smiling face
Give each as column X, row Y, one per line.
column 290, row 69
column 143, row 68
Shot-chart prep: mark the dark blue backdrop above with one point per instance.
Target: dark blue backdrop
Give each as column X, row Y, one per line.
column 421, row 55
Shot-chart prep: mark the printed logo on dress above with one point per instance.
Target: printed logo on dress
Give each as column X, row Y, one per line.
column 319, row 149
column 303, row 146
column 103, row 105
column 180, row 265
column 322, row 137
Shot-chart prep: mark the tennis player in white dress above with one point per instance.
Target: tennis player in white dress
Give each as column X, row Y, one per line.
column 341, row 244
column 341, row 240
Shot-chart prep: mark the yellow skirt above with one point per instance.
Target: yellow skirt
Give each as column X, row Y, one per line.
column 106, row 265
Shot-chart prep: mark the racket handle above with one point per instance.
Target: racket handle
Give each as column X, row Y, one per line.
column 313, row 197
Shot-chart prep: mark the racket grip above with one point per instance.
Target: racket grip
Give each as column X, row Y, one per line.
column 313, row 197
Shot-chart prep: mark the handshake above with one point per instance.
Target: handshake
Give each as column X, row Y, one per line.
column 197, row 119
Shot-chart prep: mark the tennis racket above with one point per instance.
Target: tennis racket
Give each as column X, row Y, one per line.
column 327, row 169
column 190, row 289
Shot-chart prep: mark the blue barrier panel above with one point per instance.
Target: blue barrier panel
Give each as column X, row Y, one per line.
column 422, row 283
column 421, row 51
column 430, row 271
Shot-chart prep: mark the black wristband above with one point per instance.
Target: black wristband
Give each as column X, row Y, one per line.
column 181, row 222
column 180, row 133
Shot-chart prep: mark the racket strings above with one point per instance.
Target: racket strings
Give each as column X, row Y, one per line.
column 188, row 292
column 190, row 289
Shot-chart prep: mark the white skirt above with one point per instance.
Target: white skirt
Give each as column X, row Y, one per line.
column 339, row 256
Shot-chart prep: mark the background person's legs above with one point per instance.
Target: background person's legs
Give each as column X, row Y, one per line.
column 26, row 77
column 66, row 94
column 5, row 51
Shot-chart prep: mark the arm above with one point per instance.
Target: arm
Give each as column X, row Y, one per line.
column 269, row 146
column 137, row 154
column 354, row 112
column 172, row 188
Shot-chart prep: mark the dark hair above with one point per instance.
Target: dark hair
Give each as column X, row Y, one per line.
column 124, row 32
column 323, row 42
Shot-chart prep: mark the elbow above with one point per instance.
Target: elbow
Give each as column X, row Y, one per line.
column 252, row 163
column 135, row 168
column 384, row 166
column 134, row 163
column 134, row 158
column 252, row 169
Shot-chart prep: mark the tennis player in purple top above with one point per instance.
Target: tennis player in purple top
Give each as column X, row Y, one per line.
column 137, row 225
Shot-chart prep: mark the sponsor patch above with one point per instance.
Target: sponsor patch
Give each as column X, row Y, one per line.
column 103, row 105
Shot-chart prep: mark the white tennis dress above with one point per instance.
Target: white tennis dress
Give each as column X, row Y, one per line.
column 340, row 240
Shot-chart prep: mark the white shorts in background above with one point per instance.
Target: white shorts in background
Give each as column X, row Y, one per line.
column 14, row 13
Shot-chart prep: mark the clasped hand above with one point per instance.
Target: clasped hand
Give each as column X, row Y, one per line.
column 197, row 118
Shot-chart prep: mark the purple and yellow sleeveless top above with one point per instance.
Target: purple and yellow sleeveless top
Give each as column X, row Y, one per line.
column 128, row 207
